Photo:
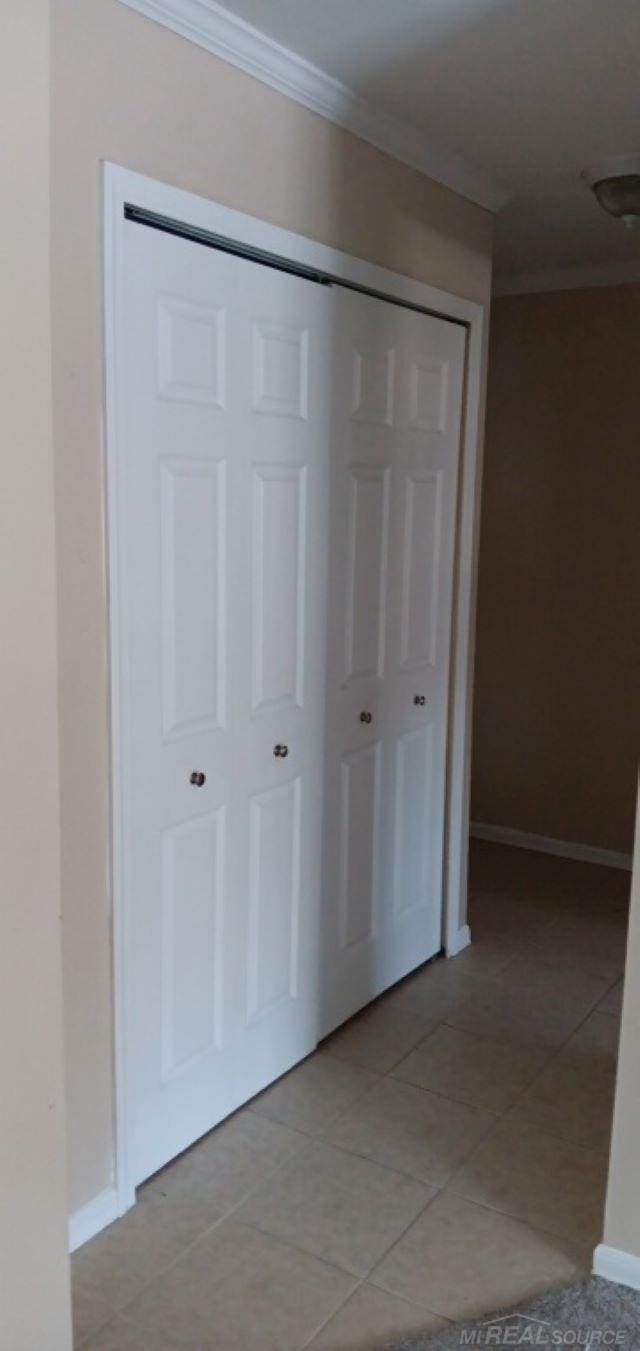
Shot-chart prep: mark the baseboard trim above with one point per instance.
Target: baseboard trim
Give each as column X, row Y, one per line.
column 622, row 1268
column 460, row 940
column 545, row 844
column 86, row 1222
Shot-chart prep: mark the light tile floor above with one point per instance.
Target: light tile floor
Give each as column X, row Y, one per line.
column 443, row 1153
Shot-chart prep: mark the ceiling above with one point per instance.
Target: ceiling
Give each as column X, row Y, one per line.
column 528, row 91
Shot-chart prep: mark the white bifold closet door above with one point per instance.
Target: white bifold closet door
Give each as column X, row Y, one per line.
column 397, row 398
column 223, row 505
column 276, row 437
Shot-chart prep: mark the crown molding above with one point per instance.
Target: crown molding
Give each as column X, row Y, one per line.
column 225, row 35
column 569, row 279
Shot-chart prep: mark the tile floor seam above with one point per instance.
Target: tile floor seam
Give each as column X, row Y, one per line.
column 315, row 1139
column 552, row 965
column 557, row 1052
column 553, row 1055
column 560, row 1139
column 388, row 1074
column 429, row 1202
column 248, row 1107
column 334, row 1121
column 585, row 968
column 576, row 1249
column 369, row 1277
column 495, row 984
column 388, row 1290
column 367, row 1282
column 383, row 1073
column 498, row 1117
column 341, row 1306
column 434, row 1092
column 355, row 1275
column 119, row 1309
column 122, row 1310
column 468, row 1102
column 446, row 1190
column 575, row 1269
column 345, row 1149
column 511, row 1214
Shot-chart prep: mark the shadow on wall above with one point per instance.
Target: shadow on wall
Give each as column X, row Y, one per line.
column 557, row 715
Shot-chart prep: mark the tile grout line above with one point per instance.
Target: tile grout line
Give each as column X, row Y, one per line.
column 509, row 1215
column 437, row 1189
column 323, row 1325
column 436, row 1186
column 120, row 1309
column 446, row 1186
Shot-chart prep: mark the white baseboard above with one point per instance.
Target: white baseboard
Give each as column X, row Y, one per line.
column 460, row 940
column 86, row 1222
column 545, row 844
column 614, row 1265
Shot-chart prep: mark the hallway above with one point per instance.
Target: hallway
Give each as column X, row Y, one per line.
column 442, row 1154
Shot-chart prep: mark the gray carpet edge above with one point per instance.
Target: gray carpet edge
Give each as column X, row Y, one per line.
column 590, row 1313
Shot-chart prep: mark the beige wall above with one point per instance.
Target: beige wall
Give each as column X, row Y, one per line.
column 622, row 1215
column 34, row 1297
column 129, row 91
column 557, row 714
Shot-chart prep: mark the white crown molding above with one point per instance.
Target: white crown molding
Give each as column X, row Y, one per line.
column 229, row 37
column 545, row 844
column 569, row 279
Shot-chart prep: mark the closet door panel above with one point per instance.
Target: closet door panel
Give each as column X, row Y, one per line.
column 223, row 486
column 396, row 432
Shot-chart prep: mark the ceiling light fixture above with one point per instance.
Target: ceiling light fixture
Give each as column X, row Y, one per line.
column 616, row 185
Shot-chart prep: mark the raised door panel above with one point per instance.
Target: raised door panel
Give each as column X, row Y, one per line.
column 372, row 387
column 367, row 567
column 192, row 958
column 422, row 516
column 359, row 839
column 191, row 348
column 274, row 898
column 193, row 591
column 279, row 553
column 413, row 834
column 428, row 389
column 280, row 369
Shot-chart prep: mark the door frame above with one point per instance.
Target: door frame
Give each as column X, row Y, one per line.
column 126, row 186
